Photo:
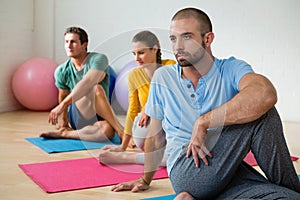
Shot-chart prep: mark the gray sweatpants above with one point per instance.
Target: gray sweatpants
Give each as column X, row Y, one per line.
column 228, row 177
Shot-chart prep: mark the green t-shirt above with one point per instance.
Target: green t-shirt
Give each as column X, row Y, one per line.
column 66, row 76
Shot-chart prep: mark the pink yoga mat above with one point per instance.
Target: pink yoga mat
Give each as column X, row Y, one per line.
column 252, row 161
column 82, row 173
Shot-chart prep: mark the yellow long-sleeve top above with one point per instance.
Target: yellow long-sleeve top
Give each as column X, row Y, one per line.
column 138, row 89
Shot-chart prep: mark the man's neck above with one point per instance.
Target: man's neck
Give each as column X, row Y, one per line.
column 205, row 64
column 78, row 62
column 192, row 74
column 195, row 72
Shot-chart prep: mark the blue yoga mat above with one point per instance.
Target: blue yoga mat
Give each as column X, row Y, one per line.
column 65, row 145
column 299, row 177
column 168, row 197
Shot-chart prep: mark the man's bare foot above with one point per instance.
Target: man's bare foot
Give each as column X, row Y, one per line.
column 53, row 134
column 184, row 196
column 108, row 157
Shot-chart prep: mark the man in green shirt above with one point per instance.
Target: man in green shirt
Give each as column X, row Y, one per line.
column 83, row 85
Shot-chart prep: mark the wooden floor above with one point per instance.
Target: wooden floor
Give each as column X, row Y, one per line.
column 14, row 150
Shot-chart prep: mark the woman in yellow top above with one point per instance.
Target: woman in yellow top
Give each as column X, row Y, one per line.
column 147, row 52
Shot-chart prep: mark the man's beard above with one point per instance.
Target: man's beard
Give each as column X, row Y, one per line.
column 184, row 62
column 191, row 59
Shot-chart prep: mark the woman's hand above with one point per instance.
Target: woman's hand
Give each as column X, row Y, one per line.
column 134, row 186
column 113, row 148
column 143, row 120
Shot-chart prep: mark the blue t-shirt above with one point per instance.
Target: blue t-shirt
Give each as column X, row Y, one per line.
column 173, row 99
column 66, row 76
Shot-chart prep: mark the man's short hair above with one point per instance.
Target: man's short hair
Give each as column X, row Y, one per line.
column 199, row 15
column 83, row 37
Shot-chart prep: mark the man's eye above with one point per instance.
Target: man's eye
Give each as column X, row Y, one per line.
column 186, row 37
column 173, row 39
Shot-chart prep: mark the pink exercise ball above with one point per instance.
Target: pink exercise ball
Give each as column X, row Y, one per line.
column 121, row 85
column 33, row 84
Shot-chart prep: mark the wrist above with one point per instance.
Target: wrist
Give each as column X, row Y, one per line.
column 203, row 122
column 125, row 141
column 123, row 147
column 145, row 181
column 63, row 105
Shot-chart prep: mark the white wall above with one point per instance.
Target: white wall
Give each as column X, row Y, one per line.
column 16, row 36
column 264, row 33
column 44, row 28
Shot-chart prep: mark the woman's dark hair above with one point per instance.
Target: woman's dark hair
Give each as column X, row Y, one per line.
column 150, row 40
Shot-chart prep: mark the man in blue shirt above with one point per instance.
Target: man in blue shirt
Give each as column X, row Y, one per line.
column 207, row 114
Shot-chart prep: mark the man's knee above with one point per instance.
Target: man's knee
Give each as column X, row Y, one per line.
column 99, row 91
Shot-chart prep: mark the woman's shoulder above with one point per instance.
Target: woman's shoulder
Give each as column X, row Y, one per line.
column 136, row 70
column 168, row 62
column 136, row 73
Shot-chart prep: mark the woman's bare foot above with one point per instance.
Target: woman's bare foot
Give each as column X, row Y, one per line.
column 108, row 157
column 53, row 134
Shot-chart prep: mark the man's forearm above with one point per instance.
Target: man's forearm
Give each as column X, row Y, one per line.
column 62, row 95
column 85, row 86
column 65, row 115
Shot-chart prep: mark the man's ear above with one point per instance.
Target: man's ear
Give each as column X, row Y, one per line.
column 209, row 38
column 85, row 44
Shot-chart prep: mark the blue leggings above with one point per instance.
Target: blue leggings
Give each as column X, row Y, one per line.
column 228, row 177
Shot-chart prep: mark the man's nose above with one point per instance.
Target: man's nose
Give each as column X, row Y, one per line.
column 179, row 45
